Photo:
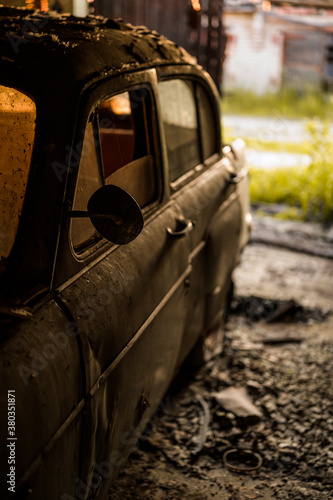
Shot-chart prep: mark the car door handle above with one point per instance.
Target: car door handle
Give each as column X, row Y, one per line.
column 184, row 227
column 234, row 179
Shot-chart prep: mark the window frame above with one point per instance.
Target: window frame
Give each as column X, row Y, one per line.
column 91, row 99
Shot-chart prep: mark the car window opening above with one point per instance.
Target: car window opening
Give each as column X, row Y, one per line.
column 123, row 157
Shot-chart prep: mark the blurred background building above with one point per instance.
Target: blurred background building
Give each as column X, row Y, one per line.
column 271, row 46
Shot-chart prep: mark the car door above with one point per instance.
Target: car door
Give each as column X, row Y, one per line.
column 200, row 180
column 128, row 302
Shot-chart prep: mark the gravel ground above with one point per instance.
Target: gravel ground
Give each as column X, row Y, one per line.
column 275, row 441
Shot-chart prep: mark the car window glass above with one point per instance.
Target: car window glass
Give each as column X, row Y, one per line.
column 17, row 132
column 117, row 132
column 179, row 117
column 208, row 125
column 116, row 150
column 89, row 180
column 125, row 146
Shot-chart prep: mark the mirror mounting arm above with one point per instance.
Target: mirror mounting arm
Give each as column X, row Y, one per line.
column 75, row 214
column 114, row 213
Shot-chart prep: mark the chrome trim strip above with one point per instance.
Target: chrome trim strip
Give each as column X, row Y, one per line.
column 197, row 250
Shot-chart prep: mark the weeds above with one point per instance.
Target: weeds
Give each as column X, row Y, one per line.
column 289, row 103
column 307, row 190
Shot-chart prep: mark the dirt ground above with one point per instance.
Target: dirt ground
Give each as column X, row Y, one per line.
column 275, row 440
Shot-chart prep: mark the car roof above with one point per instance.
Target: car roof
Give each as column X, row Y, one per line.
column 38, row 46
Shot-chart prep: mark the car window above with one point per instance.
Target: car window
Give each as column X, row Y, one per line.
column 126, row 156
column 117, row 150
column 180, row 121
column 89, row 180
column 17, row 133
column 189, row 124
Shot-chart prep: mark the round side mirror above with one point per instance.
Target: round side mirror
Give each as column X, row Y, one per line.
column 115, row 214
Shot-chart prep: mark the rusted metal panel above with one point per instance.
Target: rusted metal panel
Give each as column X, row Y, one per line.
column 328, row 62
column 304, row 49
column 318, row 4
column 304, row 53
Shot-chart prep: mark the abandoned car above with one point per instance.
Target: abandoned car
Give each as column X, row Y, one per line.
column 122, row 218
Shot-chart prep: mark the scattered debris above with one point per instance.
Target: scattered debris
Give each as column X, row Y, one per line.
column 273, row 310
column 250, row 493
column 284, row 455
column 281, row 310
column 282, row 339
column 240, row 460
column 203, row 428
column 236, row 400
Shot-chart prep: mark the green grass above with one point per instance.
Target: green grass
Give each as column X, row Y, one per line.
column 278, row 185
column 288, row 103
column 308, row 190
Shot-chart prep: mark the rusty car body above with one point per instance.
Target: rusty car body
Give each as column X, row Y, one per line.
column 122, row 219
